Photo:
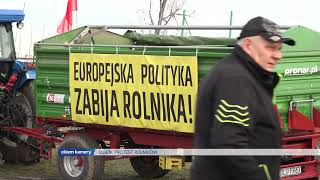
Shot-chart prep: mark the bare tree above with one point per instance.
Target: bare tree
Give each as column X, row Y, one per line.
column 163, row 13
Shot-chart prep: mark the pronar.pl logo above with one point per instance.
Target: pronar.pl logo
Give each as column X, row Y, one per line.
column 300, row 71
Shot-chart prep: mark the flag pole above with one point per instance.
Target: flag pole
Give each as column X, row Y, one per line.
column 230, row 23
column 76, row 20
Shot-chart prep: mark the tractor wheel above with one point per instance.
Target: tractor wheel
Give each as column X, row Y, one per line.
column 148, row 166
column 25, row 150
column 28, row 91
column 80, row 167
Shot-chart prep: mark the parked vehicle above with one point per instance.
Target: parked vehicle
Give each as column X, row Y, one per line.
column 61, row 89
column 107, row 91
column 17, row 98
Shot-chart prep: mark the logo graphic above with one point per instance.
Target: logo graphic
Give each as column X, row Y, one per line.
column 300, row 71
column 275, row 38
column 232, row 113
column 50, row 98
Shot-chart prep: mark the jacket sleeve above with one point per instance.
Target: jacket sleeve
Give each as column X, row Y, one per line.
column 233, row 122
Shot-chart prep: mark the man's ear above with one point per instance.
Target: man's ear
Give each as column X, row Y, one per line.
column 246, row 45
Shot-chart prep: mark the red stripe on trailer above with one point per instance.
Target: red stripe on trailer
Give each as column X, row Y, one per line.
column 108, row 128
column 161, row 140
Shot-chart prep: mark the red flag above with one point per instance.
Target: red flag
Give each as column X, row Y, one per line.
column 66, row 24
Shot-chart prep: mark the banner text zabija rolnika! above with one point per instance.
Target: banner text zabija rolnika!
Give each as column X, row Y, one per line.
column 156, row 92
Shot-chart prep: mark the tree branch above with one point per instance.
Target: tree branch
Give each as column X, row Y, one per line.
column 168, row 9
column 150, row 13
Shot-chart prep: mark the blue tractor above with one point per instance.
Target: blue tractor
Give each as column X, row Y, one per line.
column 17, row 98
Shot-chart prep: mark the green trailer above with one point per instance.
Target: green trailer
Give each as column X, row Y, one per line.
column 138, row 91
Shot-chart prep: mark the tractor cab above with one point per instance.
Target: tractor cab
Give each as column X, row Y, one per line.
column 17, row 98
column 7, row 50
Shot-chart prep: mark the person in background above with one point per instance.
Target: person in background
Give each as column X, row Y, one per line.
column 235, row 110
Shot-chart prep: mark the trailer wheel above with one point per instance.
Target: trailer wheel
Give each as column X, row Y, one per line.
column 148, row 166
column 80, row 167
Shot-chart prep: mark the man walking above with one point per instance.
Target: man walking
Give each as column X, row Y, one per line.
column 235, row 110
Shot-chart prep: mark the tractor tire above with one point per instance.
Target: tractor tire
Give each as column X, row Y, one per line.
column 23, row 152
column 148, row 166
column 28, row 91
column 80, row 167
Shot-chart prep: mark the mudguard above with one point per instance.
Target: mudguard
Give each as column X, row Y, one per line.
column 24, row 74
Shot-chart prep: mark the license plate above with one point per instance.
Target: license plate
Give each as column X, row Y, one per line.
column 290, row 171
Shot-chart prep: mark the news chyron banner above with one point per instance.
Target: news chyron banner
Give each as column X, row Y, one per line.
column 140, row 91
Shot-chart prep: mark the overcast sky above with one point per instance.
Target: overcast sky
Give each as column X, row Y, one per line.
column 43, row 16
